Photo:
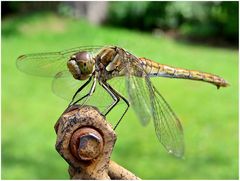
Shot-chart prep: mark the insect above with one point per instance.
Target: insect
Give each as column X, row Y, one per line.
column 97, row 66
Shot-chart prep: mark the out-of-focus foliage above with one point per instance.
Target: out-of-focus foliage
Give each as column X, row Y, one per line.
column 193, row 19
column 18, row 7
column 216, row 22
column 141, row 15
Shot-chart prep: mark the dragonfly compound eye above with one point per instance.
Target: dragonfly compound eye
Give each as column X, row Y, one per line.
column 81, row 65
column 84, row 61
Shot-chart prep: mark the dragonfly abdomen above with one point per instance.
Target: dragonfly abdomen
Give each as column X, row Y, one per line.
column 154, row 69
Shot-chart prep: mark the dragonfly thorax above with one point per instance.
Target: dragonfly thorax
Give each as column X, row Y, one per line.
column 81, row 65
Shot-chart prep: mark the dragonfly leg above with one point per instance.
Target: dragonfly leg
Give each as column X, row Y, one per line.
column 89, row 93
column 128, row 105
column 115, row 95
column 79, row 90
column 116, row 99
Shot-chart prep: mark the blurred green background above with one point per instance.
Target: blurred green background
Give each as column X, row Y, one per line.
column 194, row 35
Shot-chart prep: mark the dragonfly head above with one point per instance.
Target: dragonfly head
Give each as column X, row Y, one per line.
column 81, row 65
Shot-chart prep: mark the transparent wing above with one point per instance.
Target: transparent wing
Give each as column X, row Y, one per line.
column 118, row 83
column 101, row 97
column 65, row 86
column 139, row 98
column 167, row 125
column 144, row 96
column 48, row 64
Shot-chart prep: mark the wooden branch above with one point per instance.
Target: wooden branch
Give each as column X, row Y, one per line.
column 85, row 140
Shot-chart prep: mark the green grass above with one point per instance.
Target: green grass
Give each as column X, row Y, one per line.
column 30, row 110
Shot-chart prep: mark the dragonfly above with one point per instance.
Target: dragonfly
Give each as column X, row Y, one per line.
column 94, row 67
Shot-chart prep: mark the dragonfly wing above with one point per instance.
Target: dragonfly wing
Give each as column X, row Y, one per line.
column 137, row 90
column 48, row 64
column 139, row 98
column 167, row 125
column 118, row 83
column 65, row 86
column 43, row 64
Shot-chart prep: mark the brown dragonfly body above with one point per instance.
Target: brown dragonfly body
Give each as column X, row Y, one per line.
column 105, row 63
column 113, row 61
